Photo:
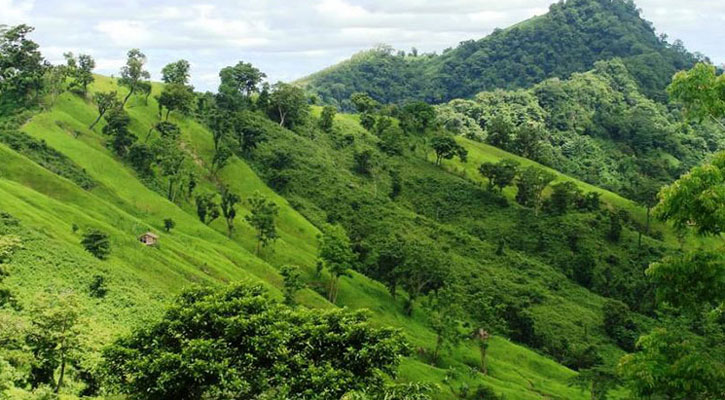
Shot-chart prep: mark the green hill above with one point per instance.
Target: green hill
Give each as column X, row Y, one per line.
column 41, row 208
column 569, row 38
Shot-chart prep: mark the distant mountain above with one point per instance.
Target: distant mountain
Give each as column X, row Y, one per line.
column 569, row 38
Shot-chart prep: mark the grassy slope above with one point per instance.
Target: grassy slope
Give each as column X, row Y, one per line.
column 142, row 279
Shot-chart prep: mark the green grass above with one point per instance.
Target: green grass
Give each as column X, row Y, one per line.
column 143, row 279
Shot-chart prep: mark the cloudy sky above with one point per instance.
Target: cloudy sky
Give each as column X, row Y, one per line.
column 289, row 39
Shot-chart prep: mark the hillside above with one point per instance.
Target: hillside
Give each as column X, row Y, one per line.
column 569, row 38
column 42, row 207
column 596, row 125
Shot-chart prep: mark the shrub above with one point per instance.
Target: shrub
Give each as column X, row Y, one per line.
column 97, row 243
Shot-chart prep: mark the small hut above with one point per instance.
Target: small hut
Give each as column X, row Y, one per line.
column 149, row 239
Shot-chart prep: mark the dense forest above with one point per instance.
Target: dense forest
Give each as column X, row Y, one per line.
column 555, row 236
column 569, row 38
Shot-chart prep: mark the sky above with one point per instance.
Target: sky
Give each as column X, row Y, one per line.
column 288, row 39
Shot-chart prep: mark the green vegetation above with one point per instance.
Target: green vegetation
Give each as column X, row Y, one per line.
column 569, row 38
column 535, row 285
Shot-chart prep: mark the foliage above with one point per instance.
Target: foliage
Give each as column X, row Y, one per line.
column 207, row 208
column 21, row 66
column 499, row 174
column 98, row 287
column 327, row 117
column 701, row 90
column 336, row 256
column 176, row 97
column 133, row 74
column 176, row 73
column 237, row 342
column 288, row 105
column 47, row 157
column 238, row 83
column 169, row 224
column 105, row 101
column 80, row 69
column 97, row 243
column 619, row 325
column 570, row 38
column 229, row 201
column 697, row 198
column 292, row 283
column 445, row 147
column 262, row 218
column 530, row 183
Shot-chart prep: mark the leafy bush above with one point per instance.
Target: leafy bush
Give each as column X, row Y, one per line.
column 97, row 243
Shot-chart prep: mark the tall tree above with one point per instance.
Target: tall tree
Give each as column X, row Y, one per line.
column 262, row 218
column 292, row 283
column 105, row 101
column 176, row 73
column 176, row 97
column 531, row 183
column 207, row 208
column 229, row 201
column 500, row 174
column 702, row 92
column 288, row 104
column 445, row 147
column 238, row 83
column 81, row 71
column 327, row 118
column 335, row 254
column 21, row 66
column 133, row 73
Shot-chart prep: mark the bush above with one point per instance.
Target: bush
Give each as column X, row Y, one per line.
column 98, row 288
column 97, row 243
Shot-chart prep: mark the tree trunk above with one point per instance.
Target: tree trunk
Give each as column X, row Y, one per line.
column 331, row 295
column 168, row 111
column 130, row 92
column 436, row 351
column 62, row 372
column 646, row 229
column 281, row 116
column 171, row 187
column 100, row 115
column 484, row 368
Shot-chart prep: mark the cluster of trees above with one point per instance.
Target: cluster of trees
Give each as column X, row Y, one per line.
column 570, row 38
column 597, row 126
column 531, row 182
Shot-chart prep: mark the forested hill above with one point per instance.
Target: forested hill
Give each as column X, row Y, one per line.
column 569, row 38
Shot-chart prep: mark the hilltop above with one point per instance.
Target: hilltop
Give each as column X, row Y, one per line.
column 569, row 38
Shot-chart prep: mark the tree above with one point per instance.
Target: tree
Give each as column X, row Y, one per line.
column 117, row 121
column 443, row 318
column 672, row 363
column 696, row 199
column 207, row 208
column 21, row 66
column 619, row 325
column 235, row 342
column 644, row 192
column 500, row 174
column 133, row 73
column 141, row 158
column 363, row 162
column 221, row 158
column 482, row 337
column 598, row 381
column 614, row 233
column 53, row 338
column 417, row 117
column 262, row 216
column 364, row 103
column 528, row 142
column 176, row 97
column 531, row 182
column 445, row 147
column 229, row 203
column 327, row 117
column 292, row 283
column 499, row 132
column 105, row 101
column 97, row 288
column 424, row 269
column 238, row 83
column 288, row 104
column 81, row 71
column 336, row 256
column 97, row 243
column 170, row 159
column 563, row 196
column 169, row 224
column 702, row 92
column 176, row 73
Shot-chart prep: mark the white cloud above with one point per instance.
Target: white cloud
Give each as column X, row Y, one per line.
column 291, row 38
